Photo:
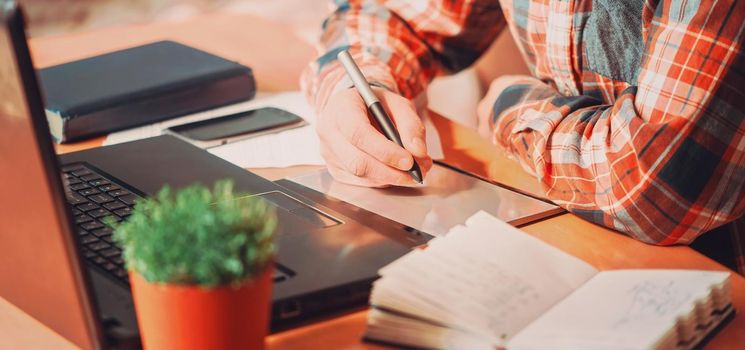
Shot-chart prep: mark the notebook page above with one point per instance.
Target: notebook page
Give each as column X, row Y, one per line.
column 622, row 309
column 486, row 278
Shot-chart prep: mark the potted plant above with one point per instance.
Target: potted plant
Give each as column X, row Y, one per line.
column 200, row 263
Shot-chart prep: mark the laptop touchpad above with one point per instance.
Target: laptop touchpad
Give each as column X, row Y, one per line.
column 303, row 211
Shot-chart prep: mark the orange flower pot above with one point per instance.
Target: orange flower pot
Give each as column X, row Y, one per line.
column 192, row 317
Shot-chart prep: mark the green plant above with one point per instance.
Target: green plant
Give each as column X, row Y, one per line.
column 198, row 237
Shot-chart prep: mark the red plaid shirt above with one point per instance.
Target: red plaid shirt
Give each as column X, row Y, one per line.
column 634, row 116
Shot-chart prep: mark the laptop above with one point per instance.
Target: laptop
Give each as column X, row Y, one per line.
column 59, row 264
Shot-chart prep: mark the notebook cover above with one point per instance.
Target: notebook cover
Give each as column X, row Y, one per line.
column 137, row 86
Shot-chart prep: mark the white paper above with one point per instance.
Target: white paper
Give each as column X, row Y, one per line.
column 297, row 146
column 624, row 309
column 291, row 147
column 486, row 278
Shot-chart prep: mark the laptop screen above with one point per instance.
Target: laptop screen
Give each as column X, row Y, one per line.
column 39, row 270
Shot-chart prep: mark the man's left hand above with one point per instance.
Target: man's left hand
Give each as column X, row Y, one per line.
column 485, row 108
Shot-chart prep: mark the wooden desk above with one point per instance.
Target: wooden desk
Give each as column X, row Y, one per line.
column 277, row 57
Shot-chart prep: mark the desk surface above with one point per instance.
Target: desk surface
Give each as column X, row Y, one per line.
column 277, row 57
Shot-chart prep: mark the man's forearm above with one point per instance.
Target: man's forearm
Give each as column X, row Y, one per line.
column 401, row 45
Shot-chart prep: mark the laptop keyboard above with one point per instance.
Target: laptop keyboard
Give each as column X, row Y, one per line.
column 94, row 197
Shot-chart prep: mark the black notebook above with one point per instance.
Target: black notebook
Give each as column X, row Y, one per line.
column 137, row 86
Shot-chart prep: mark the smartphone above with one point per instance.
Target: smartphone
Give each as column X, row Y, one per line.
column 234, row 127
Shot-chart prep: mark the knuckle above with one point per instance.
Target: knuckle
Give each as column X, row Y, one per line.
column 387, row 156
column 418, row 129
column 358, row 166
column 413, row 126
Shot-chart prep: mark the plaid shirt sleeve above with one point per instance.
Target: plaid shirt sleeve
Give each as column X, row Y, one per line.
column 659, row 154
column 634, row 118
column 400, row 44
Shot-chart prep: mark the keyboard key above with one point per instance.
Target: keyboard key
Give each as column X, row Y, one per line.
column 71, row 168
column 76, row 212
column 89, row 239
column 71, row 181
column 88, row 191
column 106, row 231
column 114, row 205
column 81, row 172
column 101, row 198
column 91, row 225
column 99, row 246
column 98, row 182
column 81, row 232
column 87, row 206
column 117, row 260
column 118, row 193
column 124, row 212
column 97, row 213
column 78, row 187
column 109, row 187
column 81, row 219
column 74, row 198
column 88, row 254
column 89, row 177
column 128, row 200
column 99, row 260
column 110, row 252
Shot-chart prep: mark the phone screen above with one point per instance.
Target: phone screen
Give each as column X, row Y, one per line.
column 258, row 120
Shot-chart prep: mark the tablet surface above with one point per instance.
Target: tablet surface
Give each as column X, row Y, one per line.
column 447, row 198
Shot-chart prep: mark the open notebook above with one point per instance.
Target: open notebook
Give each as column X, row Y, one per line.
column 487, row 285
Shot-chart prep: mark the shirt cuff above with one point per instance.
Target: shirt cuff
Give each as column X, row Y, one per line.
column 333, row 78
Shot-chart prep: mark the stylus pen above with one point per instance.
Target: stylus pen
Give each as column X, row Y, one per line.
column 375, row 107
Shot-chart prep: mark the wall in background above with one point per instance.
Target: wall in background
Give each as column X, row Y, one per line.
column 53, row 17
column 50, row 17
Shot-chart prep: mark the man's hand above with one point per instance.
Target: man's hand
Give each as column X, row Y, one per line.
column 485, row 108
column 357, row 153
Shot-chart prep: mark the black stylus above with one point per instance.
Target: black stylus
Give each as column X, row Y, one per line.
column 375, row 107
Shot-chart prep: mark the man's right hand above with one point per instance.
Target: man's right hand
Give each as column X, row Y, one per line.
column 357, row 153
